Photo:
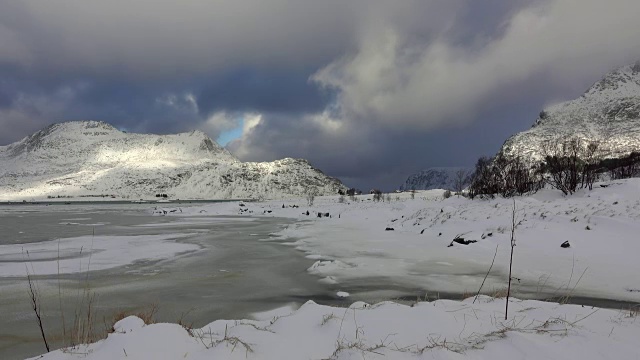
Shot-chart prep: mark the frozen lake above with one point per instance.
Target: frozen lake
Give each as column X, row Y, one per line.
column 198, row 267
column 230, row 274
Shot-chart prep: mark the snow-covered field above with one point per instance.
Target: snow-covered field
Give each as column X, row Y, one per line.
column 352, row 246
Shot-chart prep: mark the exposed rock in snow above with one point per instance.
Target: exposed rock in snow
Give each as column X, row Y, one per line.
column 437, row 178
column 607, row 113
column 82, row 158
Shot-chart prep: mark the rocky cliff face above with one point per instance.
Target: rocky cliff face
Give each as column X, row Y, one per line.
column 94, row 158
column 608, row 113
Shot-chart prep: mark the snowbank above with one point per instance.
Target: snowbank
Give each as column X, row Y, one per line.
column 441, row 329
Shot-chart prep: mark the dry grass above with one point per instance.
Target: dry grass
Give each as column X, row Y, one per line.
column 207, row 338
column 188, row 326
column 326, row 318
column 499, row 293
column 147, row 316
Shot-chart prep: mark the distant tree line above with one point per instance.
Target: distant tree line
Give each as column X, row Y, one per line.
column 568, row 165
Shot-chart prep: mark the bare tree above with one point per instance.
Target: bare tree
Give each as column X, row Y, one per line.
column 592, row 158
column 311, row 196
column 571, row 163
column 513, row 245
column 461, row 177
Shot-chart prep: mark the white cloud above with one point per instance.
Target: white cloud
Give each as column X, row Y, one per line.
column 391, row 81
column 220, row 122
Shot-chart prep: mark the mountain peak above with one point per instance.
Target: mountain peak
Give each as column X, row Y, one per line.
column 608, row 113
column 82, row 158
column 623, row 81
column 80, row 125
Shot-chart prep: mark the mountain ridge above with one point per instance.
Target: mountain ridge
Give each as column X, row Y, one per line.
column 78, row 158
column 608, row 113
column 436, row 178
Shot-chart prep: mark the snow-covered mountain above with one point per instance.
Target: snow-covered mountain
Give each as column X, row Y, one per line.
column 80, row 158
column 437, row 178
column 607, row 113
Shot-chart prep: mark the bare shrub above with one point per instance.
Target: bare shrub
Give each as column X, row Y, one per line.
column 570, row 163
column 311, row 196
column 507, row 176
column 461, row 179
column 377, row 195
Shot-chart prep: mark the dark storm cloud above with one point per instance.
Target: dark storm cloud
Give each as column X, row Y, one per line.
column 6, row 98
column 263, row 91
column 368, row 90
column 367, row 158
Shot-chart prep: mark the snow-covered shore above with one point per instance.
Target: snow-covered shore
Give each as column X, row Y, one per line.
column 442, row 329
column 353, row 244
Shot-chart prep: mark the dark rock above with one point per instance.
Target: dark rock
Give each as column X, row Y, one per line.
column 388, row 229
column 422, row 232
column 326, row 215
column 565, row 244
column 462, row 241
column 319, row 215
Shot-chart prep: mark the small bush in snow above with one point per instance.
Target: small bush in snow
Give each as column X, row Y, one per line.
column 447, row 194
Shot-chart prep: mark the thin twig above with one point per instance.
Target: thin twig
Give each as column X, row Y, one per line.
column 487, row 275
column 513, row 244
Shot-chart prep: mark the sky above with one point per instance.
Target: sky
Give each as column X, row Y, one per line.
column 368, row 91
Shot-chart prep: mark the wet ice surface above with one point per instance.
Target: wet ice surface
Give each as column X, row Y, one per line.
column 225, row 271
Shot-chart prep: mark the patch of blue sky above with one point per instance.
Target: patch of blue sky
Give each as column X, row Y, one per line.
column 230, row 135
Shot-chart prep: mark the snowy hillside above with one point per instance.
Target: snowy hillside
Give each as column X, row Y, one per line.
column 83, row 158
column 609, row 113
column 436, row 178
